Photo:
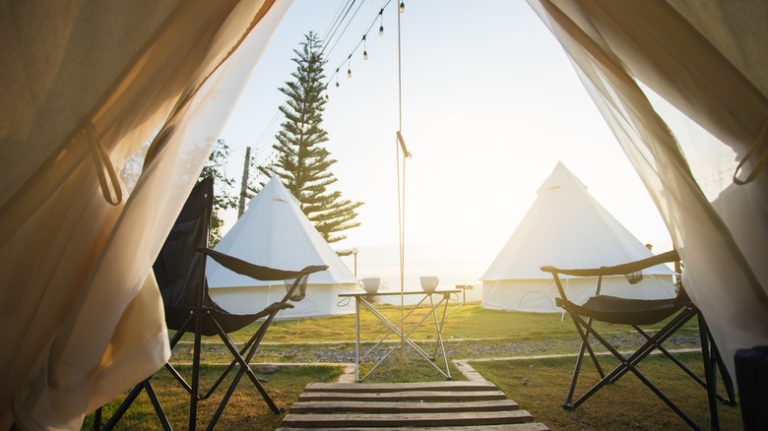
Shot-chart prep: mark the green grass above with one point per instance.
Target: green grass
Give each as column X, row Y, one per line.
column 246, row 410
column 413, row 368
column 468, row 321
column 540, row 386
column 471, row 332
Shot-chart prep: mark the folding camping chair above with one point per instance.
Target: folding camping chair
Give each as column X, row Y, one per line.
column 636, row 312
column 180, row 272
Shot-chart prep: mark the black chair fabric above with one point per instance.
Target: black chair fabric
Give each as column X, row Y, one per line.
column 180, row 268
column 614, row 309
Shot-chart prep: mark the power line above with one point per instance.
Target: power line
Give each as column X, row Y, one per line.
column 362, row 40
column 327, row 41
column 352, row 18
column 337, row 14
column 269, row 127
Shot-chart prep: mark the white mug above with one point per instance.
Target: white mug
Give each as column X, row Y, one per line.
column 429, row 283
column 370, row 284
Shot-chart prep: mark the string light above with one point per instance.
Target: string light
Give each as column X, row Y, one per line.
column 363, row 41
column 381, row 22
column 402, row 6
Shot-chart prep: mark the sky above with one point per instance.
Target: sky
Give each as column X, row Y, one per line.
column 490, row 104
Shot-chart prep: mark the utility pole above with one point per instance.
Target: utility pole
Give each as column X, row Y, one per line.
column 244, row 184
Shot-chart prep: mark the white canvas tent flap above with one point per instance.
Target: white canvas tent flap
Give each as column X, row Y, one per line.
column 274, row 232
column 708, row 61
column 92, row 82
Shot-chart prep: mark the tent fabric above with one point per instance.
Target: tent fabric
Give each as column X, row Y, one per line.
column 709, row 65
column 566, row 227
column 88, row 323
column 274, row 232
column 540, row 296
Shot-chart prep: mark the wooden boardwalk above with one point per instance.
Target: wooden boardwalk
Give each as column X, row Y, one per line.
column 404, row 406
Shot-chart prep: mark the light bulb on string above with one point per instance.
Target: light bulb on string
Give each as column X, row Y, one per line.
column 381, row 22
column 349, row 73
column 365, row 47
column 402, row 6
column 349, row 68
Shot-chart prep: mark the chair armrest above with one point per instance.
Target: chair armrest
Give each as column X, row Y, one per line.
column 255, row 271
column 626, row 268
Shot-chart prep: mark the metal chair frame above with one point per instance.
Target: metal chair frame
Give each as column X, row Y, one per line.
column 241, row 358
column 203, row 310
column 683, row 314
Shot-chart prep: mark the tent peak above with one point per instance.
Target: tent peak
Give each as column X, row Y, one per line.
column 560, row 178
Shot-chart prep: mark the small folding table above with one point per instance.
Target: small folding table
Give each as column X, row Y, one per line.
column 434, row 300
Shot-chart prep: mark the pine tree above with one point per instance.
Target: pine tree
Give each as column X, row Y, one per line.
column 303, row 163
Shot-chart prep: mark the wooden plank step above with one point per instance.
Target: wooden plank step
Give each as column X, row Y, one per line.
column 400, row 387
column 506, row 427
column 405, row 419
column 404, row 396
column 401, row 407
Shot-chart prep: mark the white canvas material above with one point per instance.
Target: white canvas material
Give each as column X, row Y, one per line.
column 566, row 227
column 274, row 232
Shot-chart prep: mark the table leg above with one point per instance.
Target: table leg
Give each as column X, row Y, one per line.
column 357, row 339
column 446, row 299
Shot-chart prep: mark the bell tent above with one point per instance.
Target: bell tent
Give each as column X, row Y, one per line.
column 274, row 232
column 566, row 227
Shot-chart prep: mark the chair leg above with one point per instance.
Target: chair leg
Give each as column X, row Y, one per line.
column 156, row 405
column 244, row 369
column 568, row 405
column 127, row 402
column 231, row 365
column 195, row 373
column 97, row 419
column 727, row 382
column 677, row 362
column 710, row 373
column 646, row 349
column 631, row 367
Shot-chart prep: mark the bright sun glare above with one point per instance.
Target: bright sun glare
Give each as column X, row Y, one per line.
column 491, row 103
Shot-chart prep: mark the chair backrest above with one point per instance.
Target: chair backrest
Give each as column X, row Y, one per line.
column 180, row 268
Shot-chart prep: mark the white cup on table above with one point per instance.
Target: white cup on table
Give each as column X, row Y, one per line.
column 429, row 283
column 370, row 284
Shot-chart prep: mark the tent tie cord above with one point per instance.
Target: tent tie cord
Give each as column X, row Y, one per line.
column 343, row 302
column 102, row 162
column 761, row 144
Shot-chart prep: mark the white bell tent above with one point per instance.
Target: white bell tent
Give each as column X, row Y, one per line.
column 274, row 232
column 566, row 227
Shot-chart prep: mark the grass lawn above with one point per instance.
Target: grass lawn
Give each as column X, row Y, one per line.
column 468, row 321
column 471, row 332
column 245, row 411
column 540, row 386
